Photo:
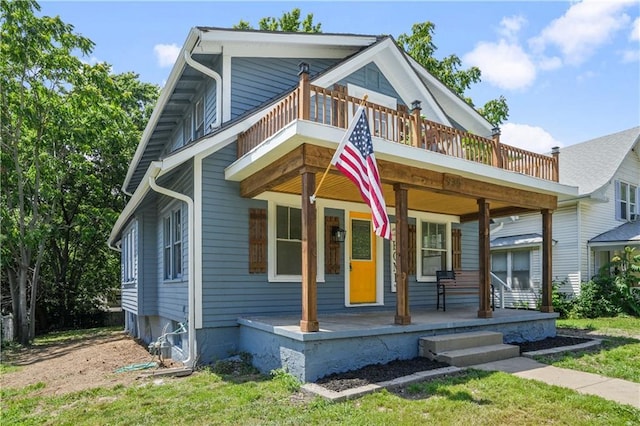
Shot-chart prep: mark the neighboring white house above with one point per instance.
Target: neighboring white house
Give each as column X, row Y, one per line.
column 587, row 231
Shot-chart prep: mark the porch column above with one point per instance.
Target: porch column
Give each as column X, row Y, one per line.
column 403, row 316
column 309, row 321
column 547, row 302
column 304, row 105
column 484, row 310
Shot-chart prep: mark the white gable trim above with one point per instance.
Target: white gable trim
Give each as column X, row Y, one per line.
column 387, row 57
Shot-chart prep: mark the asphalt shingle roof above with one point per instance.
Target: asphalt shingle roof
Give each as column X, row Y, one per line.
column 629, row 231
column 590, row 165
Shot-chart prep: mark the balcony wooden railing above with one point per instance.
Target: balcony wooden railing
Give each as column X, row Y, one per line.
column 336, row 108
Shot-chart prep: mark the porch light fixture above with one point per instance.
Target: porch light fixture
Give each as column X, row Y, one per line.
column 416, row 104
column 338, row 234
column 495, row 131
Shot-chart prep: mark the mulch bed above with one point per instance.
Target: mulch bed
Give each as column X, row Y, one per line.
column 550, row 343
column 376, row 373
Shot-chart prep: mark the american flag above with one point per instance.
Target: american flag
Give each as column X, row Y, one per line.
column 355, row 159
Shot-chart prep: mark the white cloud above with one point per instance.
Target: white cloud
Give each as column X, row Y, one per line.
column 630, row 56
column 510, row 26
column 587, row 75
column 166, row 54
column 635, row 30
column 584, row 28
column 528, row 137
column 503, row 64
column 549, row 64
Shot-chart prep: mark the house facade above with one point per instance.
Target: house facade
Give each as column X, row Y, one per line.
column 588, row 230
column 221, row 226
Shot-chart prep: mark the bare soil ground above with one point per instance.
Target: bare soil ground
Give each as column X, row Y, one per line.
column 76, row 365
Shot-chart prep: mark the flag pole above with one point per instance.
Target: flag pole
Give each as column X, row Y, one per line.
column 312, row 198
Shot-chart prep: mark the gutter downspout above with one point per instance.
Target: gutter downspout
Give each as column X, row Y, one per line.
column 190, row 361
column 214, row 75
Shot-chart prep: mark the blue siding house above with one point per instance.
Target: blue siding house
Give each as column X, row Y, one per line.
column 223, row 251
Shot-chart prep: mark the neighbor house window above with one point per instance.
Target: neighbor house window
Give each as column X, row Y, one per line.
column 433, row 248
column 172, row 244
column 130, row 254
column 288, row 241
column 513, row 268
column 626, row 201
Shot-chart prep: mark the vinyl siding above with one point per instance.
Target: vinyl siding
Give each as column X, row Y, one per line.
column 256, row 80
column 370, row 77
column 172, row 294
column 148, row 285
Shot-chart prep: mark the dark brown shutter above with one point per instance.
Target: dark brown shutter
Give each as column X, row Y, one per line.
column 331, row 248
column 412, row 249
column 257, row 241
column 456, row 249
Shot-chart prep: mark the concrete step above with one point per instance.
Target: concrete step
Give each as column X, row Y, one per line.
column 478, row 355
column 428, row 346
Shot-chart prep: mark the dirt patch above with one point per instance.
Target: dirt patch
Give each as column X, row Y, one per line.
column 76, row 365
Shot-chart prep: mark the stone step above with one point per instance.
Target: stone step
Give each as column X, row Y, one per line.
column 478, row 355
column 431, row 345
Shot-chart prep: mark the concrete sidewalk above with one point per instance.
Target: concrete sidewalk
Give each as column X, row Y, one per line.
column 618, row 390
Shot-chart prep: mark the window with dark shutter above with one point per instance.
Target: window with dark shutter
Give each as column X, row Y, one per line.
column 257, row 241
column 331, row 247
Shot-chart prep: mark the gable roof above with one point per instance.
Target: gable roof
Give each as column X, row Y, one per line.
column 592, row 164
column 626, row 233
column 212, row 41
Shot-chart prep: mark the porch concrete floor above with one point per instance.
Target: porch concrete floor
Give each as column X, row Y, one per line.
column 345, row 325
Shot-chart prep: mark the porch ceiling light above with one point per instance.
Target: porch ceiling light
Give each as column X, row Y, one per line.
column 338, row 234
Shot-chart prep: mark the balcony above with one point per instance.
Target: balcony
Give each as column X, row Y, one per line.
column 336, row 107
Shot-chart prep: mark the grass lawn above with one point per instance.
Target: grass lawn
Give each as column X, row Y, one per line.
column 618, row 357
column 205, row 398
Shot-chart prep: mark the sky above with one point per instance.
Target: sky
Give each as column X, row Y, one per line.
column 570, row 70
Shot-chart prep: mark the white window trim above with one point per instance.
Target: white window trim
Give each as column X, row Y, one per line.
column 438, row 219
column 168, row 213
column 529, row 248
column 286, row 200
column 130, row 254
column 632, row 210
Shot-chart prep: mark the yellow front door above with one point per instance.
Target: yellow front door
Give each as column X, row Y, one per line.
column 362, row 259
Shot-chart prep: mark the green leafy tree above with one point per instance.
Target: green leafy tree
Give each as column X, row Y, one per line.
column 288, row 22
column 68, row 131
column 419, row 44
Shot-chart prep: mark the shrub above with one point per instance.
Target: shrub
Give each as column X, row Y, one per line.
column 599, row 297
column 563, row 303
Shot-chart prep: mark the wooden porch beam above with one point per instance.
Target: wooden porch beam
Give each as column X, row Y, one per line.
column 403, row 316
column 547, row 273
column 495, row 213
column 484, row 309
column 309, row 321
column 281, row 170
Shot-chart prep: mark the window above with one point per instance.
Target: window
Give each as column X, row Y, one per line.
column 433, row 248
column 187, row 129
column 172, row 245
column 626, row 201
column 513, row 268
column 199, row 118
column 130, row 254
column 288, row 241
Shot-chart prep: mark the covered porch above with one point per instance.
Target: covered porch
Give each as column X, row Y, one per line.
column 424, row 166
column 349, row 341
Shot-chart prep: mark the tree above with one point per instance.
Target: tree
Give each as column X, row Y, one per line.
column 36, row 68
column 68, row 131
column 419, row 44
column 109, row 112
column 289, row 22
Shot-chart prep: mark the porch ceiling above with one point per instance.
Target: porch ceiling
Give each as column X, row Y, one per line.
column 429, row 191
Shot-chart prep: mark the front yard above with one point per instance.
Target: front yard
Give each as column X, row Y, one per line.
column 471, row 397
